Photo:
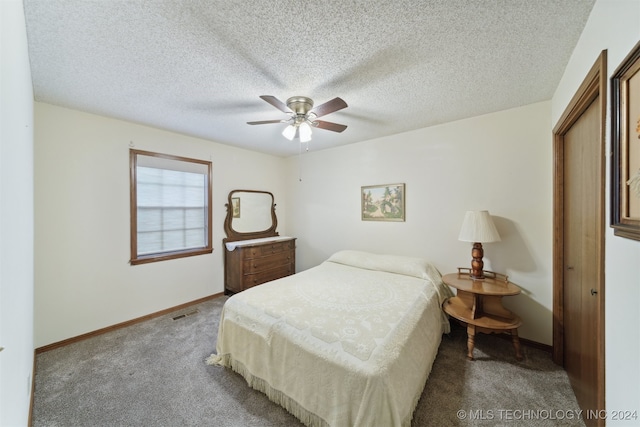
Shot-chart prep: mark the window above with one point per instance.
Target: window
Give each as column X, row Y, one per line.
column 170, row 207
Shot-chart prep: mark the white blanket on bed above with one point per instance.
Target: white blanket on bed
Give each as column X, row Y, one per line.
column 347, row 343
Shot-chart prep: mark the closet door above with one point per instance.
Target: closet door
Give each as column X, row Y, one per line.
column 582, row 322
column 578, row 248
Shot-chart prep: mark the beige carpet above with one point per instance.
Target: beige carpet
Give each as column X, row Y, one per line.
column 153, row 374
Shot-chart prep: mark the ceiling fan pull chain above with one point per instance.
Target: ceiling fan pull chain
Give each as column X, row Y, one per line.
column 300, row 163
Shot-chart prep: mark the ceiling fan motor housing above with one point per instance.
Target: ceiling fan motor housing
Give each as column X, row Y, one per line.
column 300, row 105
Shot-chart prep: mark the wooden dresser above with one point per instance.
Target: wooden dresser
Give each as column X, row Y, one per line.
column 253, row 262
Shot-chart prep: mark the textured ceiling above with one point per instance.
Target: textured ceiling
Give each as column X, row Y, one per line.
column 198, row 67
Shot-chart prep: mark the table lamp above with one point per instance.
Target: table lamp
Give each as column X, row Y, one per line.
column 478, row 228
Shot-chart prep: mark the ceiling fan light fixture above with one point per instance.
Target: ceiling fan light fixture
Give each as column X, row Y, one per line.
column 305, row 132
column 289, row 132
column 302, row 118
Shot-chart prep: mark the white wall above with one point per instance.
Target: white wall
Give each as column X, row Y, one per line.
column 16, row 218
column 83, row 280
column 500, row 162
column 614, row 25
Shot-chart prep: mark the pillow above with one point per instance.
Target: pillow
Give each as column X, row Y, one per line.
column 408, row 266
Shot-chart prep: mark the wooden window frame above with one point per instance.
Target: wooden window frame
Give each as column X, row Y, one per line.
column 165, row 255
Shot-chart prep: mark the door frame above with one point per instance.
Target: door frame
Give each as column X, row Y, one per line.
column 594, row 85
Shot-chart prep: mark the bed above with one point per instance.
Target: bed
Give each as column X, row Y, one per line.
column 349, row 342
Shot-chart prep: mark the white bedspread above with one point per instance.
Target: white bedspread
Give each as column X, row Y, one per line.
column 350, row 342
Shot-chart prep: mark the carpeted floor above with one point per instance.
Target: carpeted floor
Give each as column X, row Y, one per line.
column 153, row 374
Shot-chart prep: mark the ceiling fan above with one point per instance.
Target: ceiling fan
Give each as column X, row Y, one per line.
column 302, row 116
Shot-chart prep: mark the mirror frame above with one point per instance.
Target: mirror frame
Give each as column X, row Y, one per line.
column 233, row 235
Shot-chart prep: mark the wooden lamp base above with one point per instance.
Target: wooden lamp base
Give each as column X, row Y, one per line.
column 477, row 265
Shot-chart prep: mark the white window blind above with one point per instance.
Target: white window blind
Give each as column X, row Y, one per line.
column 172, row 210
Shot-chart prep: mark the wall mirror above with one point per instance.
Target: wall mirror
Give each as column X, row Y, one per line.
column 250, row 215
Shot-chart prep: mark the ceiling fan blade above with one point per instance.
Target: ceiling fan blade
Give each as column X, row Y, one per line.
column 265, row 122
column 329, row 126
column 329, row 107
column 276, row 103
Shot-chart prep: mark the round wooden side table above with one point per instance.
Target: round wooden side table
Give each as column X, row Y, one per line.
column 478, row 305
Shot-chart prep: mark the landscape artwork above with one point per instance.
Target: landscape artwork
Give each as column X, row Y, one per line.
column 383, row 202
column 235, row 204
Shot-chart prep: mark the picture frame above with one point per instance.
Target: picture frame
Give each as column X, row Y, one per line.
column 383, row 202
column 625, row 140
column 235, row 206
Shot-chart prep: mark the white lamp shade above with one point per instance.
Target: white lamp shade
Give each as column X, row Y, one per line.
column 305, row 132
column 478, row 227
column 289, row 132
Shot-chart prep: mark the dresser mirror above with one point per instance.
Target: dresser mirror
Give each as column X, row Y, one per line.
column 250, row 215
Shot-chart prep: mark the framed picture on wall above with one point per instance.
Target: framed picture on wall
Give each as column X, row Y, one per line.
column 235, row 204
column 383, row 202
column 625, row 139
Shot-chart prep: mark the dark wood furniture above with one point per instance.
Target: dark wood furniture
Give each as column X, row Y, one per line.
column 254, row 252
column 252, row 263
column 478, row 305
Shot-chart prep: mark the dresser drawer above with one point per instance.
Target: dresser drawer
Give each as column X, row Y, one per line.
column 266, row 262
column 269, row 248
column 250, row 280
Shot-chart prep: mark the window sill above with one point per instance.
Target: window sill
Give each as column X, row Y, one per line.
column 165, row 256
